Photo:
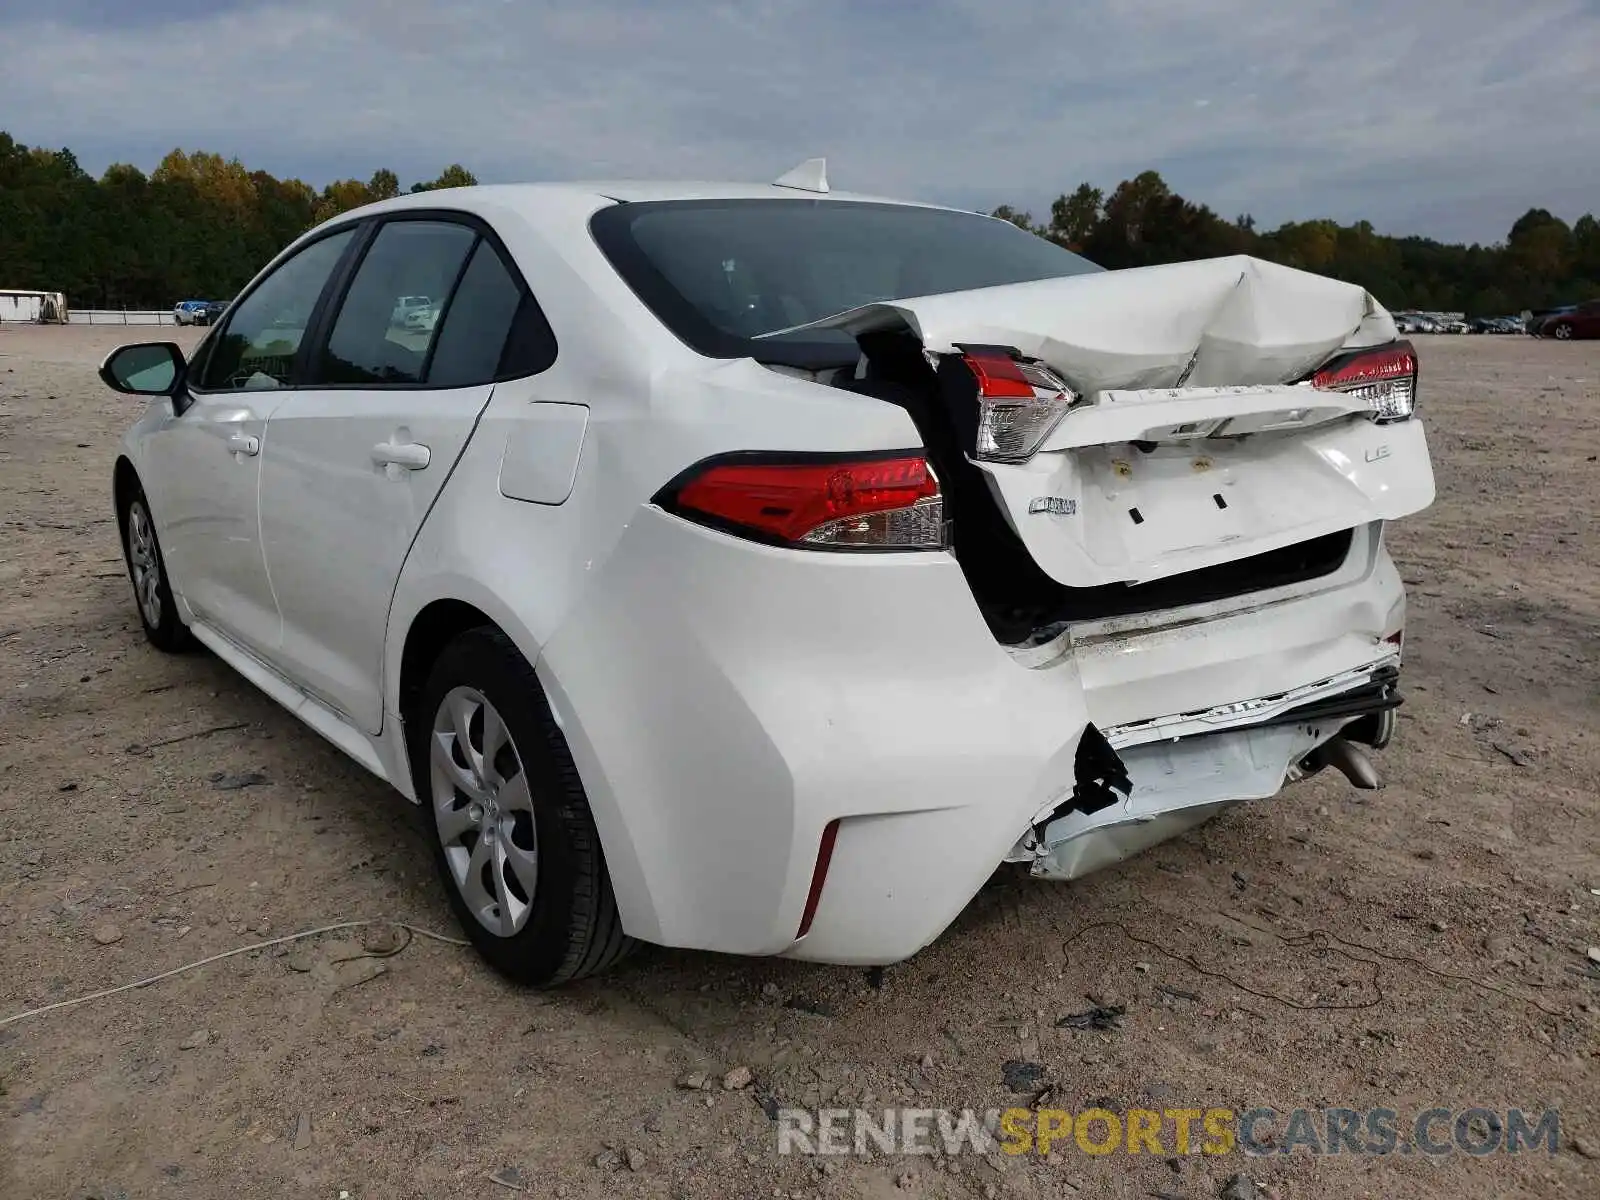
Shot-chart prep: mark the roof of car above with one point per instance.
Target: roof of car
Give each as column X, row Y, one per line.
column 626, row 191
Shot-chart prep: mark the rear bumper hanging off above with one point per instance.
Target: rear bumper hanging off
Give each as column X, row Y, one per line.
column 1177, row 772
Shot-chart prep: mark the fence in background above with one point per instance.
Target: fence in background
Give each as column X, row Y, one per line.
column 119, row 316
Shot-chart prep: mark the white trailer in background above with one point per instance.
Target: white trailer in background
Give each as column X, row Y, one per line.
column 45, row 308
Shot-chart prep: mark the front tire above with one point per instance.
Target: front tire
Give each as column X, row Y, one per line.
column 507, row 820
column 147, row 570
column 1562, row 332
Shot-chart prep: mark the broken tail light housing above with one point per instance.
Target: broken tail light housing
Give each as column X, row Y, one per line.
column 1385, row 377
column 1019, row 401
column 815, row 501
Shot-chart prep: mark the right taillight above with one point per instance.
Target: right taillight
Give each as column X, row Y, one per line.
column 1385, row 377
column 1019, row 402
column 815, row 502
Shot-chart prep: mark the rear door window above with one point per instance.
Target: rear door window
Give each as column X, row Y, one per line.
column 433, row 303
column 374, row 339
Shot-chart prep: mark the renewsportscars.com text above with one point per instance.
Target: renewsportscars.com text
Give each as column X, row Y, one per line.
column 1161, row 1132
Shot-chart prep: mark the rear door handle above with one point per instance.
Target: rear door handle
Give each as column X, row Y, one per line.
column 412, row 456
column 243, row 443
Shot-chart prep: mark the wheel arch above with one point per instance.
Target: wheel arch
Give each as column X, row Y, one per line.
column 124, row 486
column 433, row 628
column 412, row 654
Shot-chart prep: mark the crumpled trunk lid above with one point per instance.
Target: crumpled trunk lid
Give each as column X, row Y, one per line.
column 1216, row 322
column 1124, row 490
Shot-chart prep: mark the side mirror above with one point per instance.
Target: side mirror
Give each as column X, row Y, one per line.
column 144, row 369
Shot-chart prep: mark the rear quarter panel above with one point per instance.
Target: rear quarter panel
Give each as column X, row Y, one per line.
column 654, row 409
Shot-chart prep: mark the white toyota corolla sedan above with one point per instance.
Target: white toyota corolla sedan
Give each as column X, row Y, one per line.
column 757, row 568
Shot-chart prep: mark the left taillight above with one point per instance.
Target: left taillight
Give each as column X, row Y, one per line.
column 815, row 502
column 1020, row 401
column 1385, row 377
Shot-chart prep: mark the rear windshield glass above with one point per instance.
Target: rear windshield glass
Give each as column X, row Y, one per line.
column 719, row 273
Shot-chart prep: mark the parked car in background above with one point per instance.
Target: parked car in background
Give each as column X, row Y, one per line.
column 756, row 568
column 1495, row 325
column 1432, row 322
column 404, row 307
column 1413, row 322
column 1537, row 318
column 1579, row 321
column 198, row 312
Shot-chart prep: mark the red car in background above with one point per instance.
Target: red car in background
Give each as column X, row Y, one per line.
column 1580, row 322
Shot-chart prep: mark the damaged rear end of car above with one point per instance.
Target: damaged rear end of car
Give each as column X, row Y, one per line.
column 1083, row 558
column 1157, row 473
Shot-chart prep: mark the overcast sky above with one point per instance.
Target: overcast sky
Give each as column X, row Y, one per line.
column 1448, row 118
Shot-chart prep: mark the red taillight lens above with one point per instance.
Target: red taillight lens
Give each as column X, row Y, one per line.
column 818, row 503
column 1385, row 377
column 999, row 375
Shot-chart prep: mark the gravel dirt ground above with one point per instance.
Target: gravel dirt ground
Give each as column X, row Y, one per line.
column 156, row 810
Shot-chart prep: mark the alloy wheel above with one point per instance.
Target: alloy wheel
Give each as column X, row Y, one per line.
column 1563, row 332
column 144, row 563
column 483, row 811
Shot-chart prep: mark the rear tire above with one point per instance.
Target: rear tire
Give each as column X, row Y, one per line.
column 147, row 570
column 507, row 820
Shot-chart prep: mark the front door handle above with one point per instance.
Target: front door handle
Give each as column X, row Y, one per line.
column 243, row 443
column 412, row 456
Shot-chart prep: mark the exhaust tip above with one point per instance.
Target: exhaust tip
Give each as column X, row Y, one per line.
column 1351, row 762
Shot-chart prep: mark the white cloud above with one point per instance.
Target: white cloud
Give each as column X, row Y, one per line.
column 1448, row 121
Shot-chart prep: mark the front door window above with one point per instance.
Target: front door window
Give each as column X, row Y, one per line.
column 256, row 349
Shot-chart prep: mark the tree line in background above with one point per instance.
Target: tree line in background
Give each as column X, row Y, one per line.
column 199, row 226
column 1543, row 262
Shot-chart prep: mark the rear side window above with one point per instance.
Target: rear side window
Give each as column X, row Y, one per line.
column 433, row 303
column 472, row 335
column 385, row 327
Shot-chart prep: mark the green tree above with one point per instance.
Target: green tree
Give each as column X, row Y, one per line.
column 341, row 197
column 1541, row 246
column 384, row 184
column 455, row 175
column 1118, row 237
column 1021, row 220
column 1586, row 248
column 1309, row 245
column 1073, row 218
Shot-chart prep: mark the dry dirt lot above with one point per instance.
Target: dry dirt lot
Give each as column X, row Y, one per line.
column 128, row 846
